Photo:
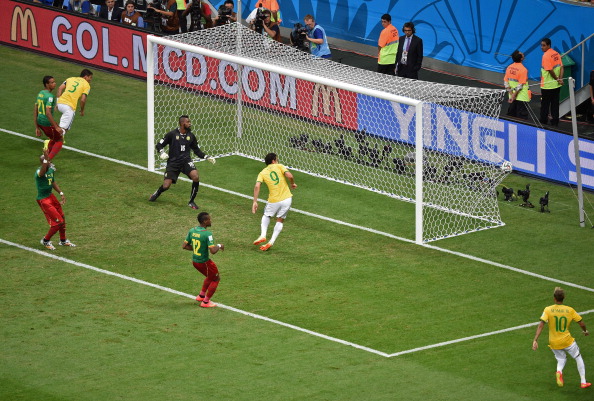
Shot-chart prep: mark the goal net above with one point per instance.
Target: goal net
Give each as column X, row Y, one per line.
column 430, row 144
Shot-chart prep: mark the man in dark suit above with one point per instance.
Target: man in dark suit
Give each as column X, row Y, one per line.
column 110, row 11
column 410, row 53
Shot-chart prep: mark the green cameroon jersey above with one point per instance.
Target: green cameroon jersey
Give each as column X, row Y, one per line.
column 44, row 183
column 45, row 99
column 200, row 239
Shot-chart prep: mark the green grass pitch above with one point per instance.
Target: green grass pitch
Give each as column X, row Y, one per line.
column 71, row 333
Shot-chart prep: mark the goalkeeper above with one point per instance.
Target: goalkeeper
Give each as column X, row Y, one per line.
column 180, row 141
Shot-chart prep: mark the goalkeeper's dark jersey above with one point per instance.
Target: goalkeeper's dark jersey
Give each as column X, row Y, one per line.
column 180, row 146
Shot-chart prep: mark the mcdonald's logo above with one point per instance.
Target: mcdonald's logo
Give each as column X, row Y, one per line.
column 26, row 20
column 326, row 92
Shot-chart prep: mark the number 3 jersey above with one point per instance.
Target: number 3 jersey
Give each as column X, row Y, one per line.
column 180, row 146
column 559, row 317
column 274, row 177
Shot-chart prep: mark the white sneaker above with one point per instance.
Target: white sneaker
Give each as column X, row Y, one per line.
column 48, row 244
column 66, row 243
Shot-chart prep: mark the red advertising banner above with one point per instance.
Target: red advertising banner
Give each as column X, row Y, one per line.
column 85, row 40
column 93, row 42
column 260, row 88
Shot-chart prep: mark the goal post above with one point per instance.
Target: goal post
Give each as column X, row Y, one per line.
column 419, row 142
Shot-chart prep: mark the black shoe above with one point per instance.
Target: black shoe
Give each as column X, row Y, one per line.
column 192, row 205
column 153, row 197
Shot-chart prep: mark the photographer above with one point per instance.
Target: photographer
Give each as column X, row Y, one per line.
column 200, row 15
column 226, row 14
column 271, row 5
column 132, row 17
column 262, row 24
column 317, row 38
column 168, row 14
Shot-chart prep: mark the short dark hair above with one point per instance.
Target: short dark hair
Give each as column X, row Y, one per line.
column 202, row 217
column 387, row 17
column 517, row 56
column 409, row 25
column 85, row 73
column 46, row 79
column 131, row 2
column 182, row 117
column 228, row 2
column 547, row 41
column 270, row 157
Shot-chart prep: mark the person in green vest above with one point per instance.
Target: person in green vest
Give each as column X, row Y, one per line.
column 551, row 81
column 387, row 46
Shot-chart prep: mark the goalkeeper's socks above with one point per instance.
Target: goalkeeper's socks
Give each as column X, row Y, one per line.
column 195, row 187
column 160, row 191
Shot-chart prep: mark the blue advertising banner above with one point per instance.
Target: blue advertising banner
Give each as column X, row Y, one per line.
column 473, row 33
column 539, row 152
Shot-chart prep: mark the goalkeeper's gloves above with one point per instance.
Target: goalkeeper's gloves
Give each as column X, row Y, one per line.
column 163, row 155
column 211, row 159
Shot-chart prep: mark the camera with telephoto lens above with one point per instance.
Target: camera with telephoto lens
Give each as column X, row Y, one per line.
column 224, row 15
column 544, row 203
column 195, row 16
column 259, row 20
column 152, row 18
column 525, row 194
column 297, row 37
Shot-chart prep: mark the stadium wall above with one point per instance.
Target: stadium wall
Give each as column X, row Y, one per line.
column 540, row 152
column 470, row 33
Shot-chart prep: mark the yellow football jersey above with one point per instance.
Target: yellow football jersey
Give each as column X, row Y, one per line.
column 75, row 88
column 559, row 317
column 274, row 177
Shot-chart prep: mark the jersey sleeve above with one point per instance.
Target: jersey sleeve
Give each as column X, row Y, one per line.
column 260, row 177
column 575, row 316
column 210, row 240
column 195, row 148
column 161, row 143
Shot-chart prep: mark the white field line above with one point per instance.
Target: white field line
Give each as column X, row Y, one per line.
column 266, row 319
column 485, row 261
column 159, row 287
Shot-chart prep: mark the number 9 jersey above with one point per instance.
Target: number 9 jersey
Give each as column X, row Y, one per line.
column 274, row 177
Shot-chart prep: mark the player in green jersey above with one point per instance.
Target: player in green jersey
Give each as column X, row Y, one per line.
column 49, row 204
column 200, row 241
column 43, row 117
column 275, row 176
column 559, row 317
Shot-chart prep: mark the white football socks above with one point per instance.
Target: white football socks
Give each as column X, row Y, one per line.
column 581, row 368
column 278, row 227
column 264, row 226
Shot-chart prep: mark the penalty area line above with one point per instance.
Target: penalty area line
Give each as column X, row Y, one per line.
column 267, row 319
column 183, row 294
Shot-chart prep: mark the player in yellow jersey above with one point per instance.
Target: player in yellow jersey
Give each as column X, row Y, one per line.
column 275, row 177
column 559, row 317
column 69, row 93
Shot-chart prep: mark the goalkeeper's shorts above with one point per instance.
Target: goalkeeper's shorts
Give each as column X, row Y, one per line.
column 173, row 169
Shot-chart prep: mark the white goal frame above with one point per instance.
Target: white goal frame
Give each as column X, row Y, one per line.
column 418, row 105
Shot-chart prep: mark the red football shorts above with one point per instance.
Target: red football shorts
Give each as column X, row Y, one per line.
column 51, row 133
column 208, row 269
column 52, row 210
